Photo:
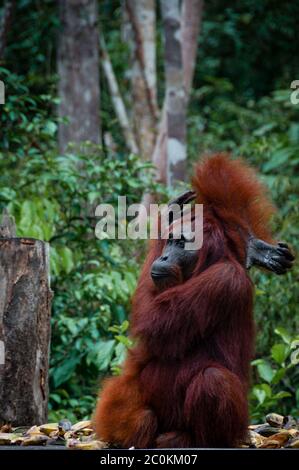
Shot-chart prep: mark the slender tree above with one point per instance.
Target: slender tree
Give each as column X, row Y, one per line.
column 78, row 70
column 117, row 100
column 191, row 24
column 142, row 17
column 175, row 91
column 180, row 56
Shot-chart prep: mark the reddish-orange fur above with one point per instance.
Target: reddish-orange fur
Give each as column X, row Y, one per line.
column 185, row 382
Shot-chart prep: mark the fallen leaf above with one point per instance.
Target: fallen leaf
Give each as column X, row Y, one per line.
column 35, row 440
column 48, row 428
column 81, row 425
column 91, row 445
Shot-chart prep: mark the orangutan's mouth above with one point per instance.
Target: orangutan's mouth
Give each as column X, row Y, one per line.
column 164, row 281
column 159, row 275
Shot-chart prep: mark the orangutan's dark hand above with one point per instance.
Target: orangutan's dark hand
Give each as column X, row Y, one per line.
column 277, row 258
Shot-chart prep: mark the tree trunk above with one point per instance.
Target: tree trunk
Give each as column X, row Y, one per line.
column 159, row 157
column 78, row 70
column 117, row 101
column 191, row 23
column 25, row 299
column 142, row 18
column 5, row 23
column 175, row 92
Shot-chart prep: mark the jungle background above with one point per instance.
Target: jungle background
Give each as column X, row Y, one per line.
column 121, row 52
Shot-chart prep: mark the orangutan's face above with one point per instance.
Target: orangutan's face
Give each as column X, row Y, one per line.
column 176, row 263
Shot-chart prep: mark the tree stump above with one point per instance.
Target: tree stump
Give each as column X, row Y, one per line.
column 25, row 306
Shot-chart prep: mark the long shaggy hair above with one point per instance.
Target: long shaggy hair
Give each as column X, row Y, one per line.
column 185, row 381
column 231, row 189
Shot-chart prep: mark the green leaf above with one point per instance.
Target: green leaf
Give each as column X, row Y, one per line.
column 66, row 258
column 120, row 356
column 50, row 128
column 267, row 390
column 261, row 392
column 279, row 375
column 265, row 371
column 278, row 159
column 279, row 353
column 259, row 292
column 294, row 133
column 55, row 397
column 257, row 361
column 105, row 351
column 54, row 262
column 282, row 332
column 27, row 214
column 124, row 340
column 282, row 394
column 260, row 395
column 264, row 129
column 125, row 325
column 62, row 373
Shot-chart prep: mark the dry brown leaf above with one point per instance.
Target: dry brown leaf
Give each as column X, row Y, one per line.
column 89, row 445
column 35, row 440
column 256, row 439
column 48, row 428
column 294, row 443
column 271, row 444
column 293, row 432
column 86, row 432
column 7, row 437
column 6, row 428
column 69, row 435
column 34, row 430
column 81, row 425
column 277, row 440
column 18, row 440
column 91, row 437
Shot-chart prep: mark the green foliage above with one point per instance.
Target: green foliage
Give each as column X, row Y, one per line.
column 276, row 381
column 253, row 44
column 31, row 47
column 27, row 127
column 123, row 343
